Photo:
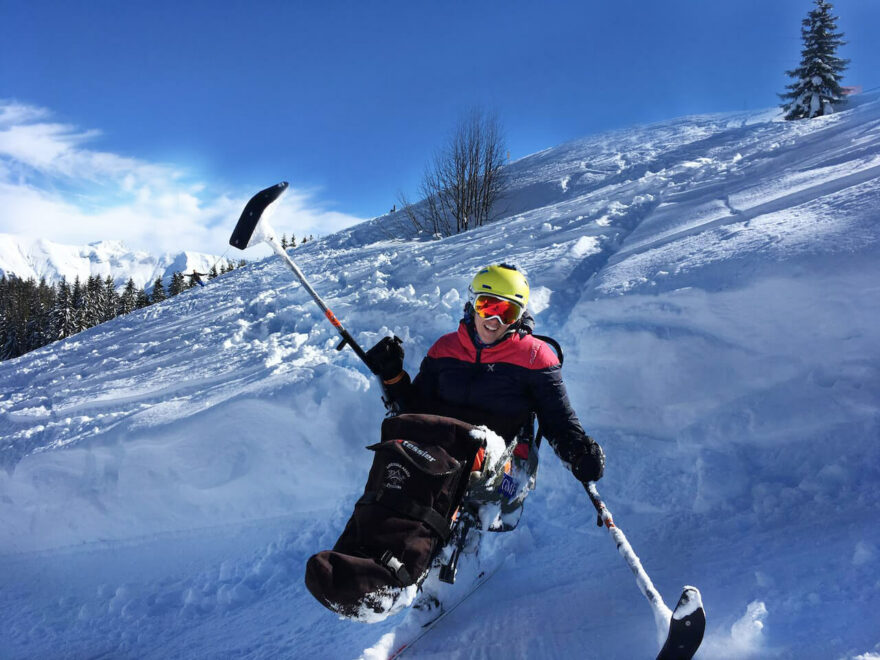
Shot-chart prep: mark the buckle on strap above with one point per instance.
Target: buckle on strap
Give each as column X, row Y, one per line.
column 405, row 506
column 396, row 567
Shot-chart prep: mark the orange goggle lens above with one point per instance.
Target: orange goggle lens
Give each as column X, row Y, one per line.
column 489, row 306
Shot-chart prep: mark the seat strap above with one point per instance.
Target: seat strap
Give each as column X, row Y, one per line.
column 405, row 506
column 555, row 344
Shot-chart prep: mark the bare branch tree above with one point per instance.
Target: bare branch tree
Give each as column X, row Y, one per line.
column 464, row 180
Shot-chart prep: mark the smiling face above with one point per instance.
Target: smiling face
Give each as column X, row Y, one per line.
column 489, row 330
column 493, row 315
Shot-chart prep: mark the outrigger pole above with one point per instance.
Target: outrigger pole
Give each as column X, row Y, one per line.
column 680, row 631
column 252, row 227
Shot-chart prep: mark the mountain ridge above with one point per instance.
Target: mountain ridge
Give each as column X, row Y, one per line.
column 39, row 258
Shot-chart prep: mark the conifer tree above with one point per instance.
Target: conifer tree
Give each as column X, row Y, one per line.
column 5, row 331
column 158, row 294
column 34, row 332
column 141, row 299
column 82, row 308
column 242, row 263
column 128, row 299
column 816, row 89
column 63, row 313
column 177, row 285
column 284, row 241
column 77, row 296
column 8, row 312
column 5, row 287
column 17, row 299
column 81, row 303
column 213, row 272
column 12, row 341
column 38, row 330
column 90, row 315
column 109, row 300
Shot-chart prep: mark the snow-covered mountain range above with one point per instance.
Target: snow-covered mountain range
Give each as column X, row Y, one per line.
column 41, row 258
column 714, row 282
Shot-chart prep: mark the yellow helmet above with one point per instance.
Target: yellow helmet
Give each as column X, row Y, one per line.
column 502, row 281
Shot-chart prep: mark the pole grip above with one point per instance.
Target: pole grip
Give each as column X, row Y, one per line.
column 604, row 515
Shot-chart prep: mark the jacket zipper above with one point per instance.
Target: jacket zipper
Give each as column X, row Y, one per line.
column 476, row 373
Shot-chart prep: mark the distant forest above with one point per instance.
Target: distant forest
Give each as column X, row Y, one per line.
column 34, row 314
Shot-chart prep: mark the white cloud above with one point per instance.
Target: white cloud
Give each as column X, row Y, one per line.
column 52, row 185
column 297, row 210
column 12, row 113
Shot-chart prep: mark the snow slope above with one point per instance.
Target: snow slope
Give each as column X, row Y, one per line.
column 41, row 258
column 714, row 281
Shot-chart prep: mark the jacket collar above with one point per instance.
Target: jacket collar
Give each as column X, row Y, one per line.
column 467, row 332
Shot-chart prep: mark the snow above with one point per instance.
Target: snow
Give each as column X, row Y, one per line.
column 495, row 449
column 745, row 633
column 691, row 605
column 382, row 601
column 713, row 281
column 584, row 246
column 27, row 258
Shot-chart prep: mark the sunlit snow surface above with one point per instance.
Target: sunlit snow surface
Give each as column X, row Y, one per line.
column 716, row 285
column 28, row 258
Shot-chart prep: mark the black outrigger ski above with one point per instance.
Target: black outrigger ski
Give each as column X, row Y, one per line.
column 253, row 213
column 682, row 629
column 686, row 627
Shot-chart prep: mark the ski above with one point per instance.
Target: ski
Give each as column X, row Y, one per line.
column 253, row 213
column 427, row 627
column 686, row 627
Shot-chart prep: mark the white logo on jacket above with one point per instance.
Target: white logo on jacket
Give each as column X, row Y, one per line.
column 417, row 450
column 395, row 476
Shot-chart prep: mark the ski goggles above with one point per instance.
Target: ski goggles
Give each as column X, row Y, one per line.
column 507, row 311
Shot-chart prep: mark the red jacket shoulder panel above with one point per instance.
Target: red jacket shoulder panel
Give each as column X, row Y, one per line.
column 456, row 345
column 524, row 351
column 545, row 357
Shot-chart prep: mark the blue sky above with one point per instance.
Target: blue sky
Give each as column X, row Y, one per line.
column 156, row 120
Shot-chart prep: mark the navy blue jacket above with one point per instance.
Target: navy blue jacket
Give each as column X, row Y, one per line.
column 502, row 386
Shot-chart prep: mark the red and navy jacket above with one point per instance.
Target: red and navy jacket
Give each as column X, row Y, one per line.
column 502, row 386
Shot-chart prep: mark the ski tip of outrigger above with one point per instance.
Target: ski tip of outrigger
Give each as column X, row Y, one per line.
column 686, row 627
column 691, row 600
column 252, row 213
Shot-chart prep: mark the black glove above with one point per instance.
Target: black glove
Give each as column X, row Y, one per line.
column 386, row 357
column 590, row 466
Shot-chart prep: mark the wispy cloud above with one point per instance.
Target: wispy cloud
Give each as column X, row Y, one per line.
column 12, row 113
column 53, row 185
